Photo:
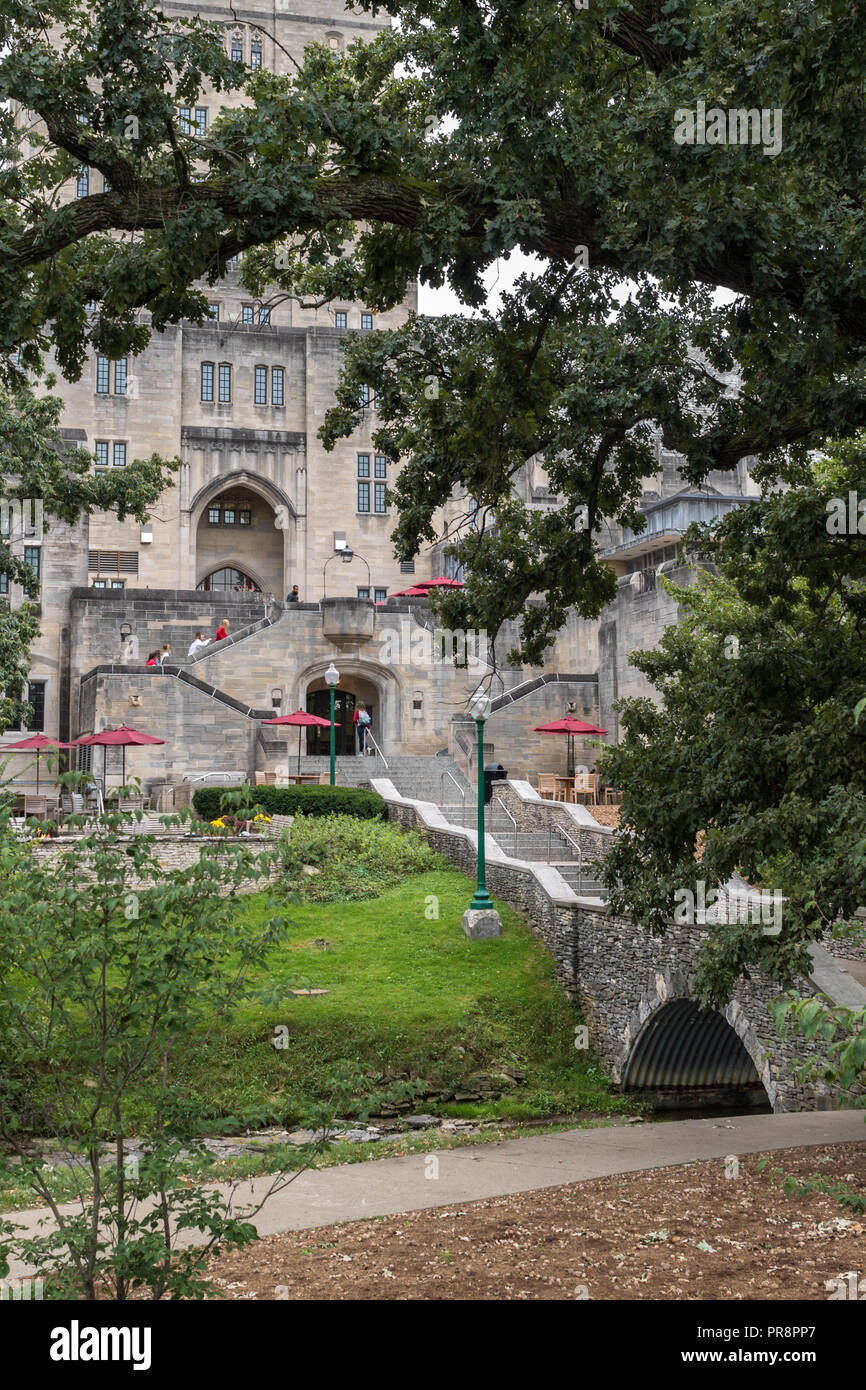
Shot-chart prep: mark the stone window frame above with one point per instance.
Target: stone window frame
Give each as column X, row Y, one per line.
column 363, row 498
column 119, row 444
column 366, row 322
column 121, row 376
column 278, row 375
column 208, row 376
column 224, row 391
column 338, row 315
column 103, row 374
column 260, row 384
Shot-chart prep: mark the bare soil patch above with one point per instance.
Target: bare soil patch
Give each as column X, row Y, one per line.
column 687, row 1233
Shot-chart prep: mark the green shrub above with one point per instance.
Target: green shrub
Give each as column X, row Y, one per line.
column 355, row 859
column 291, row 801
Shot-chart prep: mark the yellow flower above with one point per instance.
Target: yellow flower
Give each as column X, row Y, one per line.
column 264, row 818
column 220, row 823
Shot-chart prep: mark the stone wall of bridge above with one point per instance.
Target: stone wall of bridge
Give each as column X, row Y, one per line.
column 623, row 977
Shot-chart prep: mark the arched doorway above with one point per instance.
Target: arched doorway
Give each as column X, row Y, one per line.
column 228, row 580
column 238, row 542
column 348, row 694
column 685, row 1057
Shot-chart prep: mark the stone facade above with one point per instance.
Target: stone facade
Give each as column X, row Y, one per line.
column 238, row 401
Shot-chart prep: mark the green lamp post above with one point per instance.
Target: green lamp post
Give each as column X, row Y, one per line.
column 481, row 918
column 332, row 677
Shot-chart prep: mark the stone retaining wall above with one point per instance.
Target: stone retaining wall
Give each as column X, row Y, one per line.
column 619, row 973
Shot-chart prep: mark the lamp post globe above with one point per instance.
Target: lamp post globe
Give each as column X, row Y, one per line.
column 332, row 677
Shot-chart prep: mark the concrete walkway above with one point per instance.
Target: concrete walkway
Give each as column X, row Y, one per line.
column 388, row 1186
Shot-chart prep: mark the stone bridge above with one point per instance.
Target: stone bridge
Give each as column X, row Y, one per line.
column 637, row 991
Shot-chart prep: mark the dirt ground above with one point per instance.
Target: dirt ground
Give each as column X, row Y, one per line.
column 688, row 1233
column 606, row 815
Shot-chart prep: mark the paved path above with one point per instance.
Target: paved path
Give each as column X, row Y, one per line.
column 388, row 1186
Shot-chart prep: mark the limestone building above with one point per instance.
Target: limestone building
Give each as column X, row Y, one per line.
column 259, row 506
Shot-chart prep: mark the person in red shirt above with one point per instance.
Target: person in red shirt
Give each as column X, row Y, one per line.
column 222, row 631
column 153, row 659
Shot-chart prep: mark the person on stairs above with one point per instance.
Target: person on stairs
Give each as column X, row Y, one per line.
column 222, row 631
column 361, row 720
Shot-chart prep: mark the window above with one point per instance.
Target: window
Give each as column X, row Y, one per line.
column 120, row 377
column 341, row 319
column 4, row 583
column 200, row 120
column 207, row 381
column 213, row 313
column 379, row 595
column 364, row 398
column 245, row 516
column 213, row 516
column 407, row 566
column 33, row 558
column 231, row 262
column 381, row 466
column 363, row 497
column 246, row 313
column 379, row 497
column 264, row 316
column 261, row 386
column 278, row 377
column 364, row 592
column 363, row 465
column 255, row 55
column 103, row 370
column 184, row 121
column 229, row 515
column 82, row 186
column 119, row 456
column 118, row 583
column 225, row 386
column 36, row 700
column 101, row 451
column 237, row 49
column 99, row 584
column 366, row 323
column 106, row 186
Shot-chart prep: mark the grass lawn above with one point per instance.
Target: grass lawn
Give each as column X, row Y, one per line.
column 408, row 995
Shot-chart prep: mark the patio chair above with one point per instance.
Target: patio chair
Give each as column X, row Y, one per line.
column 260, row 779
column 325, row 779
column 546, row 786
column 36, row 806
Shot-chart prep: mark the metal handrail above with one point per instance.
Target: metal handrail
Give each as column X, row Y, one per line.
column 445, row 773
column 368, row 738
column 513, row 822
column 562, row 830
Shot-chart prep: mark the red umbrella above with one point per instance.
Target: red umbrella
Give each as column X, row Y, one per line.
column 116, row 738
column 303, row 721
column 570, row 727
column 37, row 743
column 415, row 592
column 440, row 583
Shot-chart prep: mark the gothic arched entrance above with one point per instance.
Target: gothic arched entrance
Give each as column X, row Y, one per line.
column 345, row 702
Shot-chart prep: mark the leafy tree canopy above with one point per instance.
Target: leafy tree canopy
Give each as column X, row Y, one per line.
column 472, row 130
column 757, row 747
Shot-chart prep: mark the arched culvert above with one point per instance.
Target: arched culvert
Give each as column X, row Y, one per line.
column 686, row 1056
